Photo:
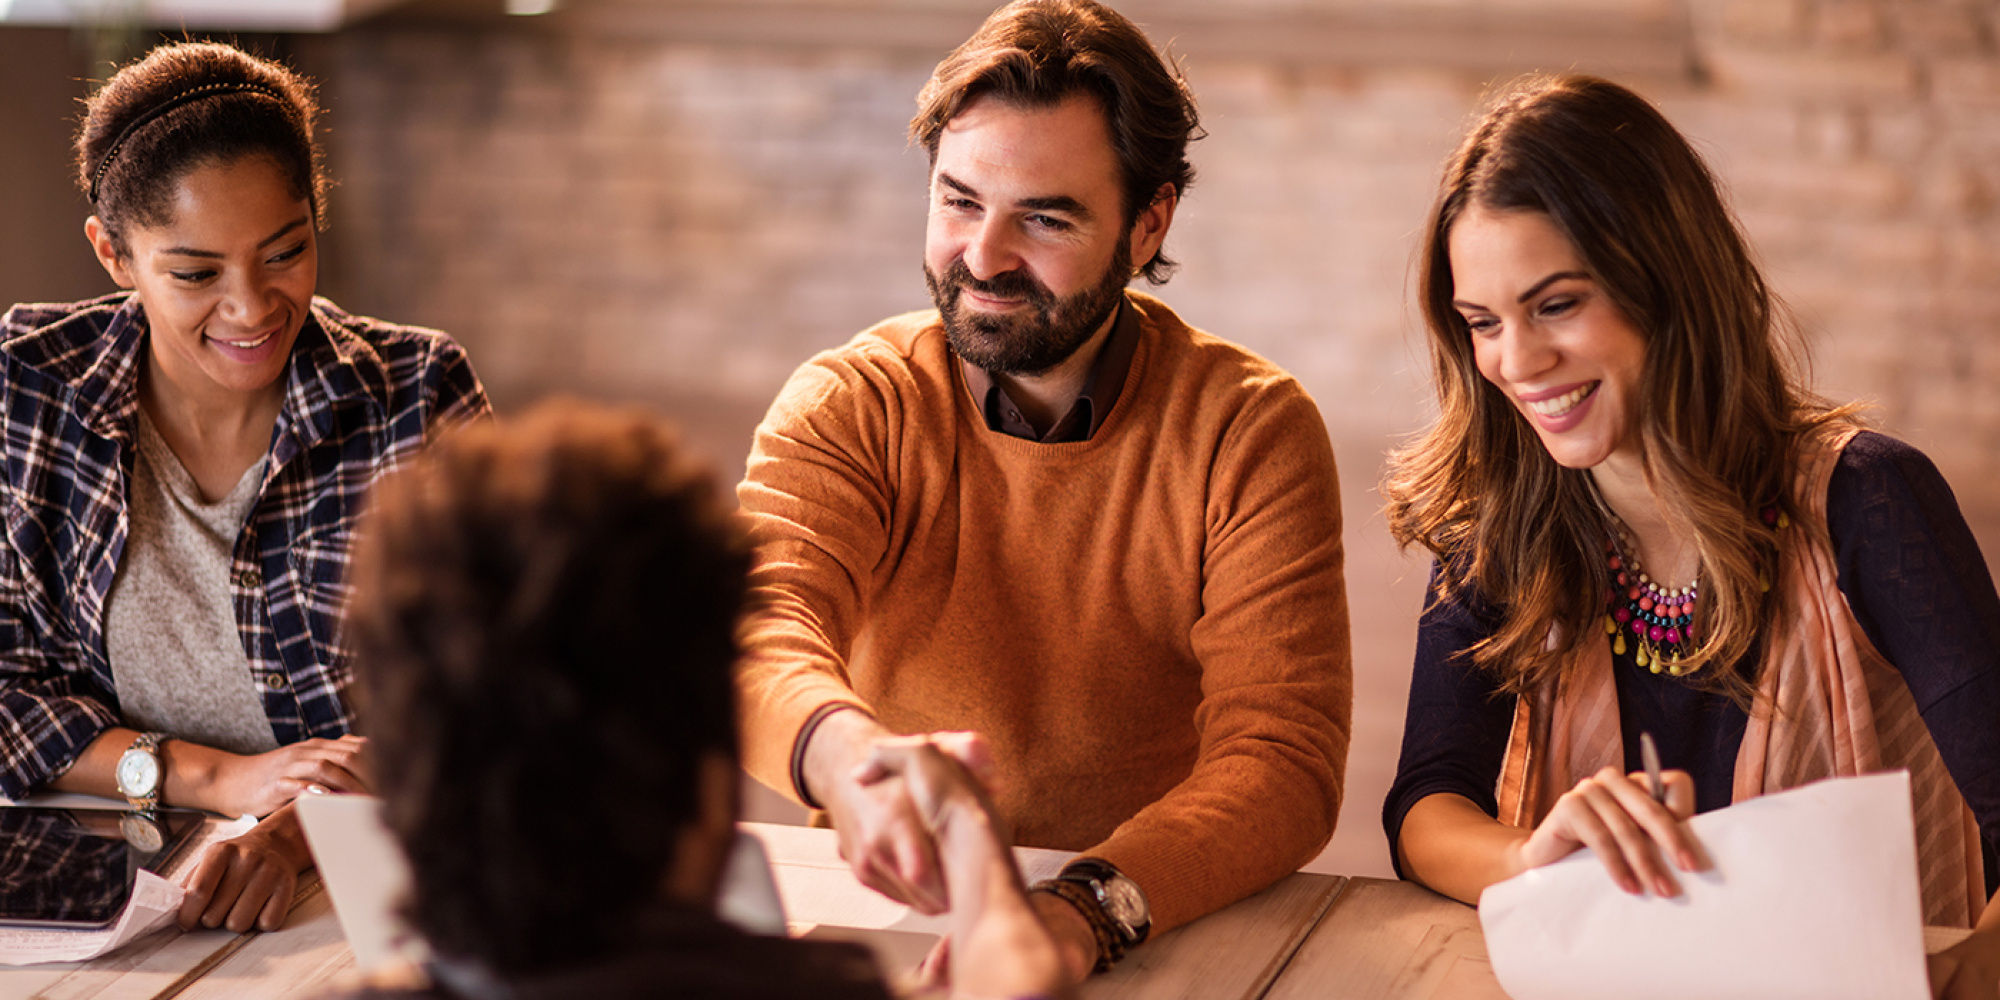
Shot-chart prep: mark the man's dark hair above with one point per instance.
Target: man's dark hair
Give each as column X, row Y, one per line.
column 1038, row 53
column 544, row 617
column 150, row 124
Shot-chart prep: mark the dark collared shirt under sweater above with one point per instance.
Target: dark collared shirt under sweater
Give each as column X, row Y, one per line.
column 1100, row 390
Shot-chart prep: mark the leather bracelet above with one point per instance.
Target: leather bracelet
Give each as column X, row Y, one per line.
column 798, row 764
column 1109, row 948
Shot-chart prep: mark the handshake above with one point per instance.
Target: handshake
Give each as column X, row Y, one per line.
column 917, row 823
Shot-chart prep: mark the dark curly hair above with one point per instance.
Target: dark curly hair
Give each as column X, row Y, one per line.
column 1037, row 53
column 544, row 620
column 129, row 154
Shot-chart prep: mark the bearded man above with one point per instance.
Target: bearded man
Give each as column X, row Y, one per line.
column 1052, row 526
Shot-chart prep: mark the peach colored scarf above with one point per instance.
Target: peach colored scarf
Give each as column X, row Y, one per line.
column 1827, row 705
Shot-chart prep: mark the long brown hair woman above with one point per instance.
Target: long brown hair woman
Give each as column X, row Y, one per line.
column 1643, row 523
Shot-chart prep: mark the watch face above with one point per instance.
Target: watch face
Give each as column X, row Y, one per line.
column 1125, row 903
column 138, row 773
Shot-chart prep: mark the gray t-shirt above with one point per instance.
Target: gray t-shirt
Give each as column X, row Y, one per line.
column 177, row 658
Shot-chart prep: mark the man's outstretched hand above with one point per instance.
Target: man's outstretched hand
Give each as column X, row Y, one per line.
column 885, row 792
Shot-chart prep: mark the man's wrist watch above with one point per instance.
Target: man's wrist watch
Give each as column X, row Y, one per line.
column 1114, row 905
column 141, row 772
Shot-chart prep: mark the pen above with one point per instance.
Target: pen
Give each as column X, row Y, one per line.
column 1650, row 755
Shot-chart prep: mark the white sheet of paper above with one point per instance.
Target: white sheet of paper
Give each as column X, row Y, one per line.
column 365, row 873
column 152, row 905
column 1813, row 894
column 367, row 876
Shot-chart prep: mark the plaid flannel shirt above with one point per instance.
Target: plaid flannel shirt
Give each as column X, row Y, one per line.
column 361, row 397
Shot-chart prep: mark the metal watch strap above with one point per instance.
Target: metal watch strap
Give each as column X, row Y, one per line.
column 150, row 743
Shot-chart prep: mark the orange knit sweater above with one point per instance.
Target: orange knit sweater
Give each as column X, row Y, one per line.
column 1150, row 627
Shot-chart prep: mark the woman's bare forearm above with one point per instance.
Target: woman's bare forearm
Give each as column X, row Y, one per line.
column 187, row 770
column 1451, row 846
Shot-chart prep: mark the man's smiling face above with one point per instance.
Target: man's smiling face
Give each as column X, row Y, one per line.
column 1027, row 251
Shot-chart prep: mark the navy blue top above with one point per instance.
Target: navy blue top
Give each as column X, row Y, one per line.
column 1910, row 570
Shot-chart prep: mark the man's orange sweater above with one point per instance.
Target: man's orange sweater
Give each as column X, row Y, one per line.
column 1149, row 627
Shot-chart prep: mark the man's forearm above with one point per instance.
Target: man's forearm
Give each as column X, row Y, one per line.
column 834, row 748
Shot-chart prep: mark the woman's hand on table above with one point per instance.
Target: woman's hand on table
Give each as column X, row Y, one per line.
column 1612, row 814
column 248, row 881
column 1968, row 970
column 257, row 785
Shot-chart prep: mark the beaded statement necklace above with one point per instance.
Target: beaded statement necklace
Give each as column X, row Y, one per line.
column 1659, row 619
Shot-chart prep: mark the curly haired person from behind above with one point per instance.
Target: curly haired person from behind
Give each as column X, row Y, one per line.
column 552, row 604
column 185, row 460
column 1644, row 523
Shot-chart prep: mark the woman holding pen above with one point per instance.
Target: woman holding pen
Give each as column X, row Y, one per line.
column 1644, row 523
column 184, row 461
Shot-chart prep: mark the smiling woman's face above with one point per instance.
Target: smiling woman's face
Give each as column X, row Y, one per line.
column 226, row 283
column 1545, row 334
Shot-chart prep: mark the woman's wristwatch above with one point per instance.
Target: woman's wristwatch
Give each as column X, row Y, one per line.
column 1113, row 905
column 140, row 772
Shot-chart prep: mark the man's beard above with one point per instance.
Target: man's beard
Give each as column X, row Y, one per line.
column 1051, row 330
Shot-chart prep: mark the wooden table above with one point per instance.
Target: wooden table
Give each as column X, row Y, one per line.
column 1310, row 937
column 1233, row 954
column 1388, row 940
column 1236, row 953
column 1383, row 939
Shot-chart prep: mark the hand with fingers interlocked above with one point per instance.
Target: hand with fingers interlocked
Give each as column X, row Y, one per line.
column 1000, row 942
column 885, row 833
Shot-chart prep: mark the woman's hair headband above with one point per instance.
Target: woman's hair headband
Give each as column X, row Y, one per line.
column 184, row 97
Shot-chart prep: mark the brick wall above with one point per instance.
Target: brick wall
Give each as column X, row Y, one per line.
column 638, row 216
column 1862, row 144
column 682, row 214
column 620, row 218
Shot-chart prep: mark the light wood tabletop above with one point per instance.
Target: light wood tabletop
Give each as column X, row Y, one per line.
column 1384, row 939
column 1389, row 940
column 1310, row 937
column 1235, row 953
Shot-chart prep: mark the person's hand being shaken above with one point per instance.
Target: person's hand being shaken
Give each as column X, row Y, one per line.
column 943, row 774
column 887, row 792
column 1000, row 943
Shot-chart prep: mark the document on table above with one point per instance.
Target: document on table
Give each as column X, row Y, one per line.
column 155, row 899
column 1812, row 894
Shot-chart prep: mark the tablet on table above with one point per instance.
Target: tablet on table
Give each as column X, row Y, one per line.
column 75, row 868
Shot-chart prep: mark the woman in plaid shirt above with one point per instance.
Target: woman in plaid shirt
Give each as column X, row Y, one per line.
column 184, row 463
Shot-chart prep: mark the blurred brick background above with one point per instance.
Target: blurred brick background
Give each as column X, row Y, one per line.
column 677, row 202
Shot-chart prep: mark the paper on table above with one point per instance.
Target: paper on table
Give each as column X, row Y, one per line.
column 154, row 901
column 1813, row 894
